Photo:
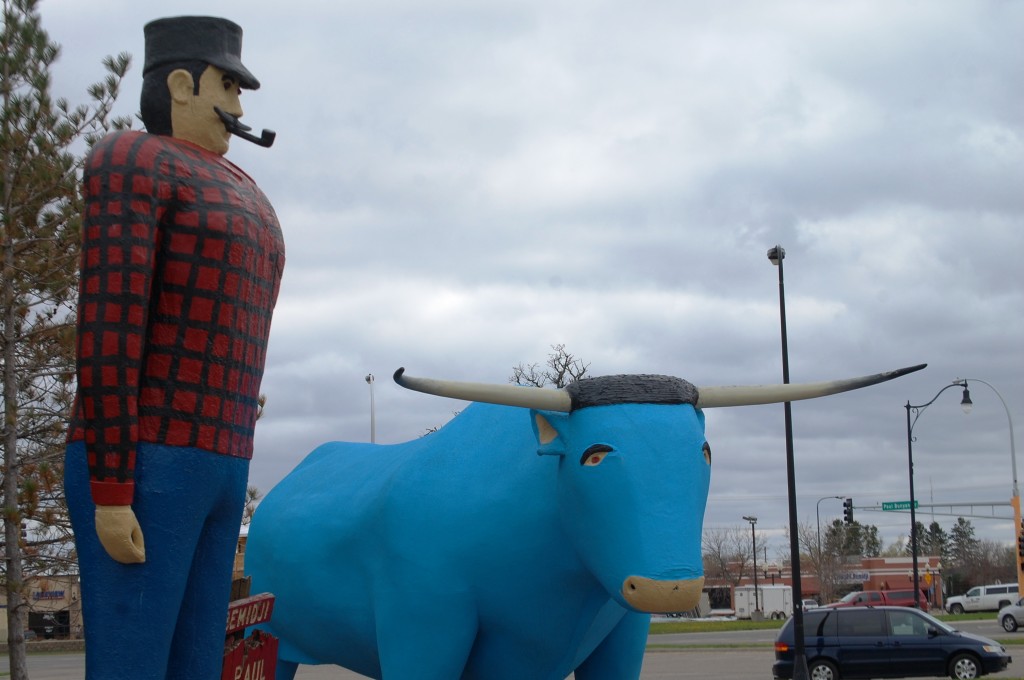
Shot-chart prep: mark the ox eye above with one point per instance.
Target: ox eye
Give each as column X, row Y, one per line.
column 707, row 453
column 595, row 454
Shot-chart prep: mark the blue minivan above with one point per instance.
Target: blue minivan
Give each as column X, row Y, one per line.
column 885, row 642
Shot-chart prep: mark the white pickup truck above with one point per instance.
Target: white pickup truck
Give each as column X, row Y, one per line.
column 983, row 598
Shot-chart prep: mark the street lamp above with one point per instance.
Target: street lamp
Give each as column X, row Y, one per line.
column 965, row 403
column 817, row 515
column 776, row 255
column 1015, row 492
column 373, row 416
column 753, row 538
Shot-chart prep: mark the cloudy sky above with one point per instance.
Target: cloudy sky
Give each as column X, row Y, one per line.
column 463, row 184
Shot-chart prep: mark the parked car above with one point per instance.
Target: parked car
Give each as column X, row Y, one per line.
column 885, row 642
column 1011, row 616
column 892, row 598
column 983, row 598
column 810, row 604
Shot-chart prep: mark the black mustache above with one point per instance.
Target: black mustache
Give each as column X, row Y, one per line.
column 240, row 129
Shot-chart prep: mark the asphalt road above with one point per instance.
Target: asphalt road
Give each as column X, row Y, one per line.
column 687, row 656
column 731, row 664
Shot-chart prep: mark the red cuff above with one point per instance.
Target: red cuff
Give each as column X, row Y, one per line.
column 112, row 493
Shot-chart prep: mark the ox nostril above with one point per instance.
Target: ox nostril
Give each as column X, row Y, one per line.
column 632, row 586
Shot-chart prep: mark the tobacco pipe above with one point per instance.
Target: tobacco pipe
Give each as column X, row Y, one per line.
column 240, row 129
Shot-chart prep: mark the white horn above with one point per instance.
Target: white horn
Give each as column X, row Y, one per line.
column 749, row 395
column 507, row 395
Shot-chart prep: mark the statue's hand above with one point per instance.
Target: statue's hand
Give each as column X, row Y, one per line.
column 120, row 533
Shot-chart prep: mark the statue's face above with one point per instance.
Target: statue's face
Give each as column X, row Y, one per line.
column 192, row 116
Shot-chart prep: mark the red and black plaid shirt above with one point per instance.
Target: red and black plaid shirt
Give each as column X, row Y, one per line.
column 182, row 257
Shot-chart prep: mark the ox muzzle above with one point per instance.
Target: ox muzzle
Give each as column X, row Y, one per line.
column 662, row 597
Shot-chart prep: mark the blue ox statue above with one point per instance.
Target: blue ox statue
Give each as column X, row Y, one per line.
column 464, row 554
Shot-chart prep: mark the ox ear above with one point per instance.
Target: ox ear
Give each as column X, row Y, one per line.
column 545, row 429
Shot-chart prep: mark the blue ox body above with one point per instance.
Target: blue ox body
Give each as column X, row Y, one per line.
column 523, row 541
column 465, row 554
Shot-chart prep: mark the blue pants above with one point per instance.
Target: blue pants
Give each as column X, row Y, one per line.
column 163, row 619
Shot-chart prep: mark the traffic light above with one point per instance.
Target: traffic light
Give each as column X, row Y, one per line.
column 848, row 511
column 1020, row 540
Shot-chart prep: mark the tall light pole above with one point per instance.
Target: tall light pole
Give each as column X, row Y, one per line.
column 776, row 255
column 373, row 415
column 1015, row 491
column 817, row 515
column 753, row 539
column 965, row 403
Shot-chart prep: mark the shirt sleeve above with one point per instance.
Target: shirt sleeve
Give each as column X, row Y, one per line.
column 120, row 232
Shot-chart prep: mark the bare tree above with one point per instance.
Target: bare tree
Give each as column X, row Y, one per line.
column 995, row 562
column 728, row 554
column 253, row 496
column 824, row 557
column 434, row 428
column 898, row 548
column 560, row 369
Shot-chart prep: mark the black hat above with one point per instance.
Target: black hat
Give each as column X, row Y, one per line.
column 217, row 42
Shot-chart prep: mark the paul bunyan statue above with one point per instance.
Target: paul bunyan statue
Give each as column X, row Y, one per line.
column 182, row 256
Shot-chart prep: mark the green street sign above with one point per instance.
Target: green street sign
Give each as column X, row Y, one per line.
column 898, row 505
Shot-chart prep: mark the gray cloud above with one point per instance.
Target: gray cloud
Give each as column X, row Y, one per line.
column 464, row 185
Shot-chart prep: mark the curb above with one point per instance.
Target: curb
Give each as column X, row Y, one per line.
column 49, row 646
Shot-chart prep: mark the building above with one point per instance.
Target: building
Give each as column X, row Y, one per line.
column 54, row 607
column 866, row 573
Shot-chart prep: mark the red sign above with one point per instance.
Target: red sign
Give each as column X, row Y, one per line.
column 249, row 612
column 255, row 657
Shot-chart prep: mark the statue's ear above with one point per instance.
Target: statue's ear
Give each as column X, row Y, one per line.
column 180, row 85
column 546, row 426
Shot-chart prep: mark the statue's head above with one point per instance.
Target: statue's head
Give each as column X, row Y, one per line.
column 193, row 64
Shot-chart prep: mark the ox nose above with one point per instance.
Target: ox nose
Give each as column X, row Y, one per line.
column 662, row 597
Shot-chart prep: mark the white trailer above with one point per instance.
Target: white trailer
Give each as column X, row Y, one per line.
column 774, row 602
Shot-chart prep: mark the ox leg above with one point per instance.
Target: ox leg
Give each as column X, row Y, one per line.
column 621, row 654
column 285, row 670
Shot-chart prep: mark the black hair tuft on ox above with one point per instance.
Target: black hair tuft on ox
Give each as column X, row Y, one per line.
column 630, row 389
